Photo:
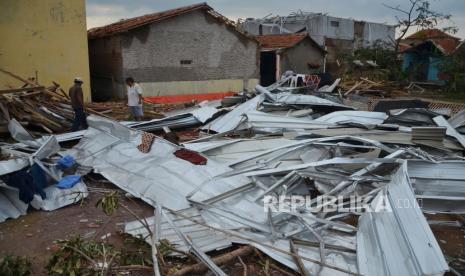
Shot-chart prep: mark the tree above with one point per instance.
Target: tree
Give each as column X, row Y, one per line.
column 417, row 15
column 454, row 67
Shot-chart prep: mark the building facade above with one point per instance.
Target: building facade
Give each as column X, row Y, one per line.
column 296, row 52
column 322, row 27
column 424, row 52
column 44, row 39
column 189, row 50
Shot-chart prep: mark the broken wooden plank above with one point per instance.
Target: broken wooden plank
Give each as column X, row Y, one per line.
column 357, row 84
column 23, row 89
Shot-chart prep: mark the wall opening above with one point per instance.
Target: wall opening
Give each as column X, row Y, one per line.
column 186, row 61
column 267, row 68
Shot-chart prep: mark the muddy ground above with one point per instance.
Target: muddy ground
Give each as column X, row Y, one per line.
column 33, row 235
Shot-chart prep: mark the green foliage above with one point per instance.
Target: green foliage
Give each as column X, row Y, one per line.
column 136, row 251
column 454, row 67
column 15, row 266
column 165, row 247
column 418, row 14
column 384, row 56
column 82, row 257
column 79, row 257
column 108, row 203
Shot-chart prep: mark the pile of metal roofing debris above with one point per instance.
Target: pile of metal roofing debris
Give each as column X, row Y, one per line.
column 35, row 173
column 311, row 182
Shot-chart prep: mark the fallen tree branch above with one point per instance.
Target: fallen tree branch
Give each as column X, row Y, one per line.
column 229, row 233
column 220, row 260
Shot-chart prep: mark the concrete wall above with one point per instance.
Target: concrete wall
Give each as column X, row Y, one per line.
column 44, row 37
column 221, row 59
column 297, row 57
column 374, row 32
column 321, row 26
column 338, row 47
column 422, row 67
column 106, row 68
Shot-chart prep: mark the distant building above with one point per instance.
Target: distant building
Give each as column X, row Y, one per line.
column 326, row 30
column 296, row 52
column 46, row 39
column 424, row 51
column 322, row 26
column 188, row 50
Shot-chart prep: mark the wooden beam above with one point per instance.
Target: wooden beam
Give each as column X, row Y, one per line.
column 23, row 89
column 357, row 84
column 48, row 92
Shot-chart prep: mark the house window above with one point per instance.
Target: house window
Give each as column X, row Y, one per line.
column 335, row 24
column 186, row 61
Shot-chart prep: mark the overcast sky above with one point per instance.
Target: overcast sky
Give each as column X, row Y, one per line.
column 102, row 12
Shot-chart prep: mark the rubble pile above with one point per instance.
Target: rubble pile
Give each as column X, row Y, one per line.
column 311, row 182
column 40, row 108
column 367, row 87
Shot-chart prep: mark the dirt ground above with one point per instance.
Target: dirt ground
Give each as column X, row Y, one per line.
column 33, row 235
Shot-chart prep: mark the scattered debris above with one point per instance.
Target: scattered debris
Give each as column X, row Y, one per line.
column 301, row 176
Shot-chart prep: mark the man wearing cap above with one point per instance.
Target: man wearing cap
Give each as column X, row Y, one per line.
column 77, row 102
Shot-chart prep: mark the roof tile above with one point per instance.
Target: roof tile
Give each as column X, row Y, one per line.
column 135, row 22
column 280, row 41
column 443, row 41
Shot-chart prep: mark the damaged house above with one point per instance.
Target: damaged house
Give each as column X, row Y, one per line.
column 190, row 50
column 336, row 35
column 423, row 53
column 282, row 52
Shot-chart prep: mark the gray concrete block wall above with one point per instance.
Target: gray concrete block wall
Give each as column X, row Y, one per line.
column 154, row 52
column 106, row 68
column 297, row 57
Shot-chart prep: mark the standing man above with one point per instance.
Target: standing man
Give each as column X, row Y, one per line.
column 135, row 99
column 77, row 102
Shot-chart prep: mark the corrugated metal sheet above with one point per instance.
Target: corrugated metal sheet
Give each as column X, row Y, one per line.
column 261, row 121
column 358, row 117
column 111, row 149
column 397, row 242
column 232, row 119
column 203, row 237
column 181, row 120
column 440, row 121
column 299, row 99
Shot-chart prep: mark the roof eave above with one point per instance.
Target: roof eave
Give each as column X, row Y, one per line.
column 203, row 6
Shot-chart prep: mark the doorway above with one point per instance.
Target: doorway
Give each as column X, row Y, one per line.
column 267, row 68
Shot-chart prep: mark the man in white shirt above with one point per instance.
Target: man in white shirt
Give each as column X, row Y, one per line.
column 135, row 99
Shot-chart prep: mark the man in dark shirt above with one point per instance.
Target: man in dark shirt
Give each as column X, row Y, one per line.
column 77, row 102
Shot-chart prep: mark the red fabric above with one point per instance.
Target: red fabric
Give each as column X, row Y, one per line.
column 191, row 156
